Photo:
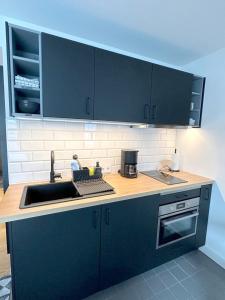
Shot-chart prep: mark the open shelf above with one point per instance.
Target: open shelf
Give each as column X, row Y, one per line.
column 27, row 92
column 24, row 58
column 30, row 60
column 26, row 88
column 198, row 84
column 24, row 42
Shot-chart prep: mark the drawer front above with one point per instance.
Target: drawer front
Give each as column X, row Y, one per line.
column 170, row 198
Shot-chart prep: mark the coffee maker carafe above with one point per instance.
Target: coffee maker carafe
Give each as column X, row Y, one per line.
column 129, row 163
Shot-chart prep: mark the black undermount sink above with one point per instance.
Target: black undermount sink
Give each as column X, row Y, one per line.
column 41, row 194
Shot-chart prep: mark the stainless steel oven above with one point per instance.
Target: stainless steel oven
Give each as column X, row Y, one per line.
column 177, row 221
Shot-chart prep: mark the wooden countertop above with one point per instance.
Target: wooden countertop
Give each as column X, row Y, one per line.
column 125, row 189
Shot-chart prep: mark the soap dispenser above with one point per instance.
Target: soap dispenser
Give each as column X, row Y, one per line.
column 98, row 169
column 75, row 164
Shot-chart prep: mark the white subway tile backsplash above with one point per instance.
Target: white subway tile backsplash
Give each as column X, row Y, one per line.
column 30, row 124
column 54, row 145
column 13, row 146
column 41, row 155
column 14, row 168
column 39, row 176
column 42, row 135
column 30, row 143
column 73, row 145
column 65, row 154
column 12, row 124
column 32, row 166
column 63, row 135
column 19, row 156
column 54, row 125
column 20, row 177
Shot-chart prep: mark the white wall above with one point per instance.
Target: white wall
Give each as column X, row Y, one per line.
column 1, row 58
column 203, row 150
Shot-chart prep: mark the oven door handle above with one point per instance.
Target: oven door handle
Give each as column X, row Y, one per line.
column 165, row 223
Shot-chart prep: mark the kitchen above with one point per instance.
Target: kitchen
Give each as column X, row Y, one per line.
column 78, row 111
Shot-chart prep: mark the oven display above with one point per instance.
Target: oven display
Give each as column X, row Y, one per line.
column 180, row 205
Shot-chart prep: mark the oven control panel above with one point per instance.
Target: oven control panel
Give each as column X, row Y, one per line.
column 178, row 206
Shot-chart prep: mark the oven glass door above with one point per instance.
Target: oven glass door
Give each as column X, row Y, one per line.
column 172, row 228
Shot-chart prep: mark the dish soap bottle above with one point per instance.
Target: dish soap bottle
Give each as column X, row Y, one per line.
column 98, row 170
column 175, row 162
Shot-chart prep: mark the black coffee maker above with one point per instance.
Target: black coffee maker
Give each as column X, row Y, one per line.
column 129, row 163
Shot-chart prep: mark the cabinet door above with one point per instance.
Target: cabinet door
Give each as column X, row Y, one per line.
column 56, row 256
column 171, row 96
column 127, row 238
column 122, row 88
column 203, row 215
column 67, row 78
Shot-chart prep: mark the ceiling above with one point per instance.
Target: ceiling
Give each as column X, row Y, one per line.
column 176, row 31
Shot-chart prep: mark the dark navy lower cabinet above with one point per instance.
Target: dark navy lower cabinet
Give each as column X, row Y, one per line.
column 127, row 238
column 70, row 255
column 203, row 214
column 56, row 256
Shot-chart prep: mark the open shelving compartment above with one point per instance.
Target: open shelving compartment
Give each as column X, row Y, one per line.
column 198, row 85
column 25, row 71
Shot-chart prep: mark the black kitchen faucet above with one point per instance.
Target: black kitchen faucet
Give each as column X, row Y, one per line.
column 53, row 175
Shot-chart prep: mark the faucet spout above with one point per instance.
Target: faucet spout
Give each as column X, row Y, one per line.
column 53, row 175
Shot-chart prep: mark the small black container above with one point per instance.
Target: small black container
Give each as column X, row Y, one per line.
column 28, row 106
column 81, row 175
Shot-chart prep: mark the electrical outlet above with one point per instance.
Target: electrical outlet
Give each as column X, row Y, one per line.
column 107, row 169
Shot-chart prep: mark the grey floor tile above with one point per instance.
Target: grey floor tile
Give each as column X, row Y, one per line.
column 180, row 292
column 147, row 275
column 178, row 273
column 195, row 258
column 213, row 295
column 167, row 278
column 160, row 269
column 194, row 287
column 170, row 264
column 144, row 291
column 125, row 291
column 156, row 284
column 187, row 266
column 166, row 295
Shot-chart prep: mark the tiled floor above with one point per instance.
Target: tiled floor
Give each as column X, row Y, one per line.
column 5, row 285
column 190, row 277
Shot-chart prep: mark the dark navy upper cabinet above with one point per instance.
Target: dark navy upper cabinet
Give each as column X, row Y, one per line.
column 67, row 78
column 56, row 256
column 128, row 235
column 170, row 96
column 122, row 88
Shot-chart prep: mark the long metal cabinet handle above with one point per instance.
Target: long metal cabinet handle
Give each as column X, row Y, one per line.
column 146, row 111
column 154, row 108
column 95, row 219
column 206, row 194
column 107, row 216
column 165, row 223
column 88, row 106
